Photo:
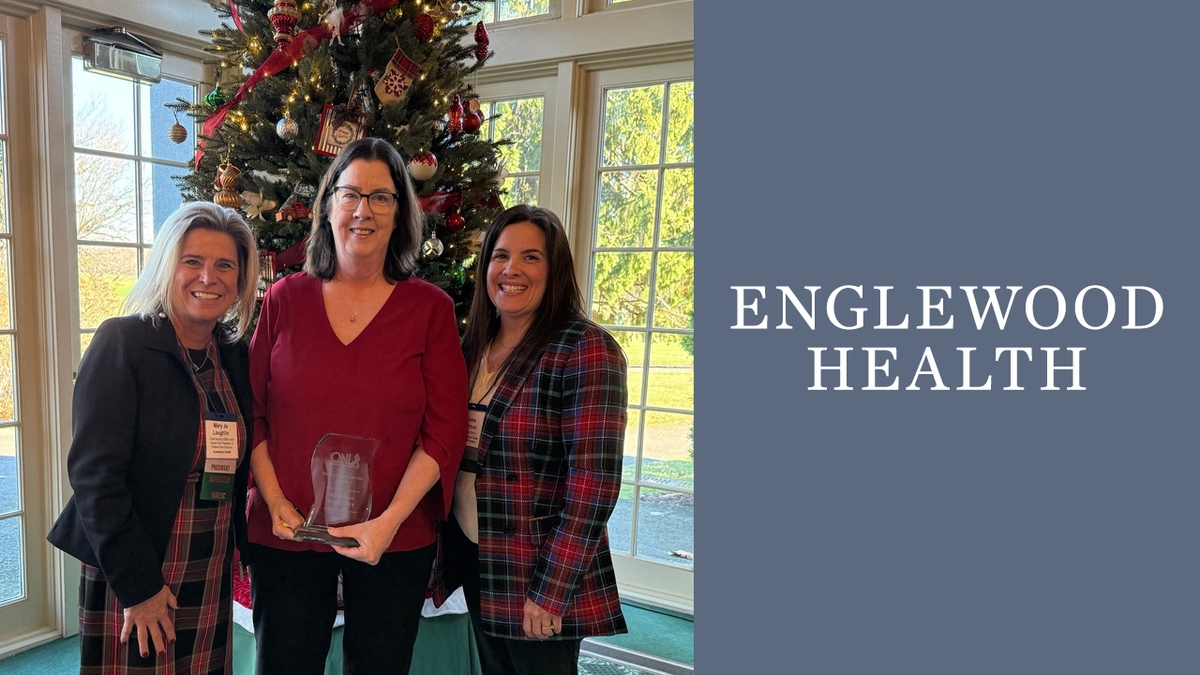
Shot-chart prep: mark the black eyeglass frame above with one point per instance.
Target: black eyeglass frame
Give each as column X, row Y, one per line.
column 371, row 205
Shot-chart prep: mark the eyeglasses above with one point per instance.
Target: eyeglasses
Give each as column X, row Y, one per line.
column 347, row 199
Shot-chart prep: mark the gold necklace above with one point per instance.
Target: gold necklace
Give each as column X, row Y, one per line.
column 505, row 350
column 354, row 314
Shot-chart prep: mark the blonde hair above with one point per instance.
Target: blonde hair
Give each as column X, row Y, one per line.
column 153, row 292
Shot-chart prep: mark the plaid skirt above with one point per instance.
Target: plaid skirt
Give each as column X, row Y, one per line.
column 198, row 570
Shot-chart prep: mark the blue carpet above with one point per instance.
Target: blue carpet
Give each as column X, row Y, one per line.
column 657, row 634
column 61, row 657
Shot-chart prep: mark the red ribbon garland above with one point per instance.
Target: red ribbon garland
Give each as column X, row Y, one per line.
column 440, row 201
column 237, row 18
column 285, row 56
column 292, row 255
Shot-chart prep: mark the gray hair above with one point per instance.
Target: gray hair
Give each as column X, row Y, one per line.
column 153, row 291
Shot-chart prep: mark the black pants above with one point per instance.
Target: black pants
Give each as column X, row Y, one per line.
column 501, row 656
column 295, row 602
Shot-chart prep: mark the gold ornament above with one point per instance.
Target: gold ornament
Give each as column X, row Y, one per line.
column 226, row 184
column 177, row 133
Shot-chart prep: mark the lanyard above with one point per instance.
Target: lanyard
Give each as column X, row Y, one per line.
column 218, row 405
column 221, row 442
column 483, row 369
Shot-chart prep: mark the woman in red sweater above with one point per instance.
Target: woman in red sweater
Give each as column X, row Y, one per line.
column 354, row 345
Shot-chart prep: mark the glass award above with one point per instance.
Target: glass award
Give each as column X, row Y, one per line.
column 341, row 478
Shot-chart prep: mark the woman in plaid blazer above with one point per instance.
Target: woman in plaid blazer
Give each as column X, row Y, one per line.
column 527, row 539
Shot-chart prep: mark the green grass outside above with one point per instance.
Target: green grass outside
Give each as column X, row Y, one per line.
column 667, row 389
column 678, row 470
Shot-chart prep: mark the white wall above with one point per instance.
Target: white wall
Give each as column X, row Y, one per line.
column 173, row 24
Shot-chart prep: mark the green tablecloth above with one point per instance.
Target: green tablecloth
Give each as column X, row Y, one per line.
column 445, row 646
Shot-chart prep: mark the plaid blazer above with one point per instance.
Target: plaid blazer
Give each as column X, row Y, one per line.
column 551, row 449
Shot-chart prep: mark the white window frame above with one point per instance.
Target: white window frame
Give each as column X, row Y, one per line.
column 63, row 42
column 545, row 88
column 31, row 619
column 174, row 67
column 589, row 39
column 639, row 578
column 555, row 12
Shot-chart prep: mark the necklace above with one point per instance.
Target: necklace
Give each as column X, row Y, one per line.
column 354, row 314
column 197, row 366
column 504, row 351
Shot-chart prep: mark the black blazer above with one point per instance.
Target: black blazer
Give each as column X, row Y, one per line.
column 136, row 420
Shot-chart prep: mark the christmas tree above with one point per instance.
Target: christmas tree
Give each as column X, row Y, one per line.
column 314, row 75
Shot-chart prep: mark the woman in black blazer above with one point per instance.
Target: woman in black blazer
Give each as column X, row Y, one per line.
column 161, row 431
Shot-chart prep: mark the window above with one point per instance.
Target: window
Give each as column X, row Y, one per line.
column 520, row 122
column 507, row 10
column 124, row 183
column 641, row 269
column 12, row 558
column 25, row 607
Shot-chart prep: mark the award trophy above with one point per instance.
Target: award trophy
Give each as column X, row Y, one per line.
column 341, row 476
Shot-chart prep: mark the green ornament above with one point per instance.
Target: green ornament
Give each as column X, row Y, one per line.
column 458, row 275
column 215, row 98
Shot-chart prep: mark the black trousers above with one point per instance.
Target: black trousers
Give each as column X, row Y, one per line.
column 501, row 656
column 295, row 602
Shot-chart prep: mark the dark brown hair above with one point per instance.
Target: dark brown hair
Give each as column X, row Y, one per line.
column 401, row 260
column 560, row 303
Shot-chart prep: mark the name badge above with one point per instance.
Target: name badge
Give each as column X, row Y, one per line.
column 476, row 414
column 220, row 456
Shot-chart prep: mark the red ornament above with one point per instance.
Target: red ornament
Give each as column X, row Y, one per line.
column 284, row 16
column 455, row 125
column 481, row 42
column 472, row 121
column 455, row 222
column 423, row 27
